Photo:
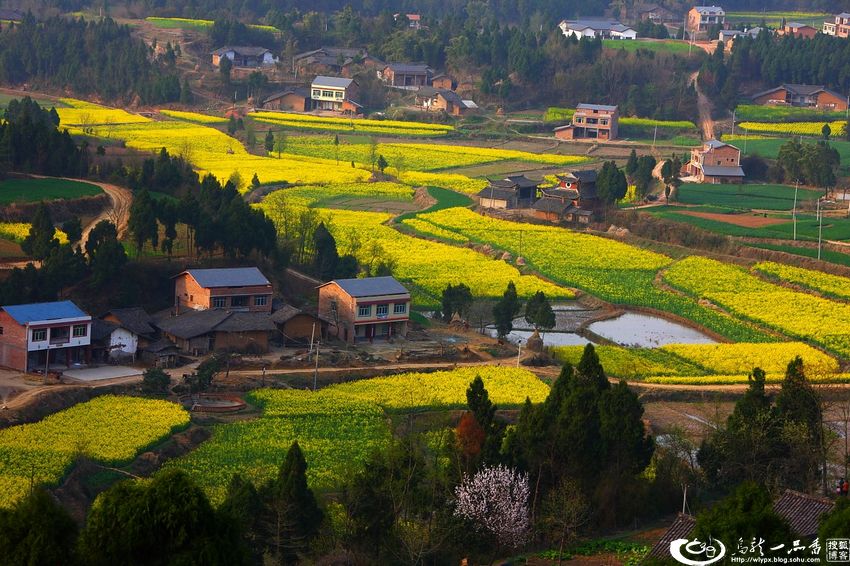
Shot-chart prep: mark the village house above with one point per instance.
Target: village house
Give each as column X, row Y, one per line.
column 728, row 36
column 573, row 199
column 801, row 511
column 297, row 326
column 839, row 26
column 296, row 99
column 605, row 29
column 246, row 57
column 444, row 82
column 408, row 76
column 806, row 96
column 330, row 61
column 368, row 309
column 591, row 121
column 203, row 331
column 515, row 191
column 798, row 30
column 334, row 93
column 655, row 14
column 443, row 100
column 715, row 162
column 38, row 336
column 702, row 18
column 234, row 288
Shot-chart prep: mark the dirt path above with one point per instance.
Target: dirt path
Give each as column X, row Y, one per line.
column 704, row 108
column 118, row 212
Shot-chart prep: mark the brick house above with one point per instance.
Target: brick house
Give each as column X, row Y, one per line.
column 702, row 18
column 203, row 331
column 806, row 96
column 365, row 309
column 37, row 336
column 443, row 100
column 715, row 162
column 247, row 57
column 333, row 61
column 515, row 191
column 655, row 13
column 235, row 289
column 591, row 121
column 573, row 199
column 296, row 99
column 839, row 26
column 443, row 81
column 798, row 30
column 297, row 326
column 408, row 76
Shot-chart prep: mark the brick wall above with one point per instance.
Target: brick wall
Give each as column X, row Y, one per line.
column 13, row 343
column 345, row 310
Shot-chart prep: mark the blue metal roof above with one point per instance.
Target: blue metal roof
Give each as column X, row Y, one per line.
column 372, row 286
column 32, row 312
column 228, row 277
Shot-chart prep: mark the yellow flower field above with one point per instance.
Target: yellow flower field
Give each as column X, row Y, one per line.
column 832, row 285
column 339, row 426
column 356, row 123
column 108, row 429
column 193, row 117
column 17, row 231
column 741, row 358
column 739, row 379
column 453, row 181
column 85, row 114
column 793, row 313
column 794, row 128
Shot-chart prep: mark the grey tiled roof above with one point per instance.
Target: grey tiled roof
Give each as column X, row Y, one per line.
column 802, row 511
column 722, row 171
column 134, row 319
column 371, row 286
column 332, row 82
column 228, row 277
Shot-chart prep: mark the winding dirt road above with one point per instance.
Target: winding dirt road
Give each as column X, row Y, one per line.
column 704, row 109
column 118, row 212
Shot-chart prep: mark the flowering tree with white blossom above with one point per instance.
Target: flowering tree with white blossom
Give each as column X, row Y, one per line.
column 495, row 500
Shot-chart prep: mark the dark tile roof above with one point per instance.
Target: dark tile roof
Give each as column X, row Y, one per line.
column 722, row 171
column 371, row 286
column 135, row 319
column 558, row 192
column 496, row 192
column 522, row 181
column 298, row 91
column 681, row 528
column 228, row 277
column 552, row 205
column 243, row 50
column 197, row 323
column 802, row 511
column 604, row 107
column 32, row 312
column 799, row 90
column 284, row 314
column 417, row 68
column 332, row 53
column 582, row 175
column 100, row 329
column 160, row 346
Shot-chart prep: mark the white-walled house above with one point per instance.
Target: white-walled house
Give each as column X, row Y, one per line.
column 113, row 342
column 605, row 29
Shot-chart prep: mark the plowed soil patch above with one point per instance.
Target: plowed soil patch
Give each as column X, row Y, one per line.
column 744, row 220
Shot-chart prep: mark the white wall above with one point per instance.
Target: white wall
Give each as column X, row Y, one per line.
column 122, row 342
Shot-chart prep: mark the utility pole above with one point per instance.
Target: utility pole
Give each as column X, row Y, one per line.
column 794, row 214
column 316, row 371
column 820, row 228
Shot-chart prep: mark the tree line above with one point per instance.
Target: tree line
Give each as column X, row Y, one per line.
column 87, row 56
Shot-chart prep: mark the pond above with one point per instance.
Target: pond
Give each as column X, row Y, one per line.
column 647, row 331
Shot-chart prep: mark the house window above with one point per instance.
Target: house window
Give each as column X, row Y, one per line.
column 219, row 302
column 399, row 308
column 239, row 301
column 1, row 331
column 333, row 309
column 382, row 310
column 191, row 297
column 261, row 300
column 328, row 93
column 80, row 330
column 317, row 93
column 39, row 335
column 339, row 94
column 364, row 311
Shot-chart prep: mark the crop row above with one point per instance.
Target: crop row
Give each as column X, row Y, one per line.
column 613, row 271
column 85, row 114
column 828, row 284
column 793, row 313
column 339, row 426
column 761, row 113
column 193, row 117
column 391, row 127
column 187, row 23
column 795, row 128
column 685, row 361
column 108, row 429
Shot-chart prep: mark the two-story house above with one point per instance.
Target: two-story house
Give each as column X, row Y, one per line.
column 573, row 199
column 715, row 162
column 334, row 93
column 234, row 289
column 798, row 30
column 38, row 336
column 514, row 191
column 591, row 121
column 408, row 76
column 248, row 57
column 370, row 309
column 839, row 26
column 806, row 96
column 702, row 18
